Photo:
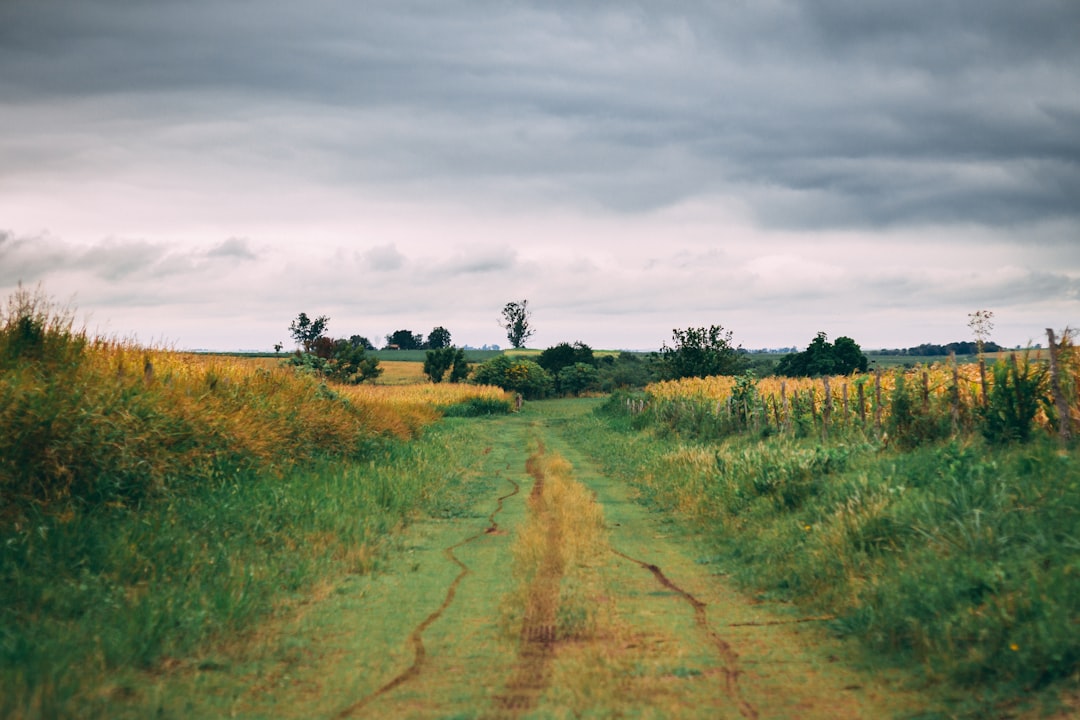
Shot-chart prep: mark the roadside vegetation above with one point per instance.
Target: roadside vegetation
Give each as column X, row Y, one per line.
column 930, row 518
column 153, row 501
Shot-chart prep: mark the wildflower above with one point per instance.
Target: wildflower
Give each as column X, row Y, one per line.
column 1014, row 647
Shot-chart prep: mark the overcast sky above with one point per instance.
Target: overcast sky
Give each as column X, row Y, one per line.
column 196, row 173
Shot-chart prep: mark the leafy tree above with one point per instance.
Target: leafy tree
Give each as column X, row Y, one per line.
column 516, row 375
column 306, row 331
column 350, row 364
column 557, row 357
column 339, row 360
column 578, row 378
column 564, row 355
column 361, row 341
column 701, row 352
column 629, row 370
column 516, row 317
column 438, row 362
column 824, row 358
column 849, row 356
column 438, row 338
column 405, row 340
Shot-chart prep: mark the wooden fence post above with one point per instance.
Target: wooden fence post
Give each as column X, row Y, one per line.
column 982, row 379
column 925, row 391
column 862, row 406
column 843, row 389
column 1060, row 401
column 826, row 410
column 877, row 400
column 787, row 410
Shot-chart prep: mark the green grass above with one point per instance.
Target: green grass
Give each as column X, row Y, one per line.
column 960, row 559
column 107, row 589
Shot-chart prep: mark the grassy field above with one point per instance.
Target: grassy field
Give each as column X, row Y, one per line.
column 154, row 505
column 958, row 557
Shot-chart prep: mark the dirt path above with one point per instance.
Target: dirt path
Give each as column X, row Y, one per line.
column 558, row 596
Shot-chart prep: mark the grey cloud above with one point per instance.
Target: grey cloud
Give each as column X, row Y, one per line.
column 28, row 258
column 114, row 260
column 239, row 248
column 476, row 261
column 876, row 112
column 384, row 258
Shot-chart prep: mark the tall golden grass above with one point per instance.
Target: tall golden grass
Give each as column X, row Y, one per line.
column 109, row 420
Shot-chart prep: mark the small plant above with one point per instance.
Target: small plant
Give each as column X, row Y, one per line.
column 744, row 398
column 1015, row 397
column 911, row 422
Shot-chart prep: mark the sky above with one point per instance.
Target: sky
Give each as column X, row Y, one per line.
column 196, row 173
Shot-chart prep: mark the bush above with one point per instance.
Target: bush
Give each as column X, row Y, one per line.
column 1009, row 414
column 515, row 375
column 477, row 407
column 578, row 378
column 911, row 423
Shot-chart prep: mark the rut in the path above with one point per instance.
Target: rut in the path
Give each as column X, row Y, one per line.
column 531, row 673
column 727, row 653
column 416, row 639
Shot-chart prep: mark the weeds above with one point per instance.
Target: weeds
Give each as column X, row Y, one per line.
column 960, row 557
column 151, row 501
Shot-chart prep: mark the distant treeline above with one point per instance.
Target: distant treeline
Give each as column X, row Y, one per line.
column 968, row 347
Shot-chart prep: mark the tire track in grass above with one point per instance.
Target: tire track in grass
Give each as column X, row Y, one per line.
column 416, row 637
column 727, row 653
column 531, row 673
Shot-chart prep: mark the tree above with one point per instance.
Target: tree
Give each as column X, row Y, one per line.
column 338, row 360
column 306, row 331
column 849, row 356
column 351, row 365
column 564, row 355
column 824, row 358
column 577, row 378
column 437, row 362
column 438, row 338
column 516, row 316
column 701, row 352
column 405, row 340
column 361, row 341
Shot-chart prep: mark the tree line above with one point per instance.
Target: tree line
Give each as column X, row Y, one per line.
column 572, row 368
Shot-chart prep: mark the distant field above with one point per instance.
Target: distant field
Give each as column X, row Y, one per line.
column 418, row 355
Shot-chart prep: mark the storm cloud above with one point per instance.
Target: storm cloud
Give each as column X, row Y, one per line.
column 661, row 164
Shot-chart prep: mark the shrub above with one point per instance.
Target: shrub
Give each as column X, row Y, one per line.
column 911, row 423
column 577, row 378
column 516, row 375
column 1009, row 414
column 478, row 407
